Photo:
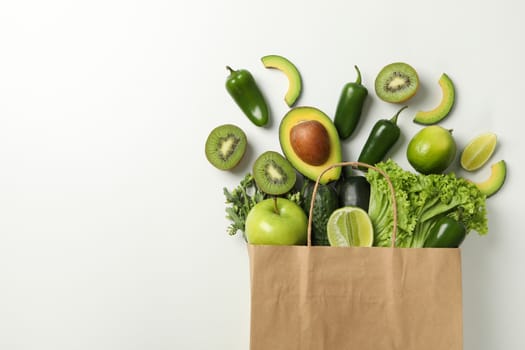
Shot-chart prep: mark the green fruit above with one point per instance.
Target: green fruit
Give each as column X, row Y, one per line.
column 290, row 70
column 442, row 110
column 324, row 204
column 276, row 221
column 225, row 146
column 310, row 142
column 350, row 227
column 431, row 150
column 273, row 174
column 396, row 82
column 478, row 151
column 496, row 179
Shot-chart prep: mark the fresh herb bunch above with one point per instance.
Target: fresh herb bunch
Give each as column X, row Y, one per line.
column 243, row 198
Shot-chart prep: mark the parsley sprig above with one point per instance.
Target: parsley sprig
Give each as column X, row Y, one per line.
column 242, row 199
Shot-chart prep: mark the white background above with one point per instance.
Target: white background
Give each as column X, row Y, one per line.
column 112, row 227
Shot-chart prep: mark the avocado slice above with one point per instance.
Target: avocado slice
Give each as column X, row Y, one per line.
column 310, row 142
column 290, row 70
column 442, row 110
column 496, row 179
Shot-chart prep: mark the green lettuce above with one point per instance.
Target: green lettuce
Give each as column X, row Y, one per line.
column 421, row 201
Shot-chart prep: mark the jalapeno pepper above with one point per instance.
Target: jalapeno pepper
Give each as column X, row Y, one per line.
column 383, row 136
column 350, row 106
column 446, row 233
column 244, row 90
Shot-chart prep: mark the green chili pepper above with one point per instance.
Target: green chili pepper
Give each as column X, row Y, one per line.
column 349, row 108
column 446, row 233
column 242, row 87
column 383, row 136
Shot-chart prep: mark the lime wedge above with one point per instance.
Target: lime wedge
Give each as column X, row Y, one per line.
column 350, row 227
column 478, row 151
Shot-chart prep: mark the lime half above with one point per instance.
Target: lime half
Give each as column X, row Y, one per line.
column 350, row 227
column 478, row 151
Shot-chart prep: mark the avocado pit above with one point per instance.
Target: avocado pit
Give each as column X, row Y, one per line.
column 311, row 142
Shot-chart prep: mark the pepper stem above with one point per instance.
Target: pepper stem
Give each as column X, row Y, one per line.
column 275, row 207
column 230, row 69
column 394, row 118
column 358, row 80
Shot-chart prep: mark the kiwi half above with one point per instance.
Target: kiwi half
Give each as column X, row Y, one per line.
column 225, row 146
column 396, row 82
column 273, row 173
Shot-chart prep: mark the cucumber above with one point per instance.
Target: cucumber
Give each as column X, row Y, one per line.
column 326, row 201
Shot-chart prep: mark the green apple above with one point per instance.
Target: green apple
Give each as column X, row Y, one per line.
column 276, row 222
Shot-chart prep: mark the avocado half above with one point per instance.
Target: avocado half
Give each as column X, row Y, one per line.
column 498, row 174
column 305, row 114
column 290, row 70
column 442, row 110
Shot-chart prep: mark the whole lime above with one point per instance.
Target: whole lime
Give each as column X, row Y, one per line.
column 431, row 150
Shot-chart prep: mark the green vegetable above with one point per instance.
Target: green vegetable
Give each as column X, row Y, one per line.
column 446, row 233
column 350, row 106
column 242, row 87
column 383, row 136
column 422, row 200
column 242, row 199
column 354, row 190
column 326, row 202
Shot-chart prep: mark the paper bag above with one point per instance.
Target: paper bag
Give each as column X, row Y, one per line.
column 339, row 298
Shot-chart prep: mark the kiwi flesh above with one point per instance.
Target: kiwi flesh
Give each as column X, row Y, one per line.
column 273, row 173
column 397, row 82
column 225, row 146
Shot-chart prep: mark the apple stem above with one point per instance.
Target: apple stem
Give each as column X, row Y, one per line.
column 275, row 208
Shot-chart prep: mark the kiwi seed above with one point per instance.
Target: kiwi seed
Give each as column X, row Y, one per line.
column 225, row 146
column 396, row 82
column 273, row 173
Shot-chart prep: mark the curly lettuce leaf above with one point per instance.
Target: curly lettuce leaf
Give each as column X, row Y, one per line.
column 421, row 201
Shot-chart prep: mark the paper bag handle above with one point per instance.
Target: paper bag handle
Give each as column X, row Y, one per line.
column 353, row 164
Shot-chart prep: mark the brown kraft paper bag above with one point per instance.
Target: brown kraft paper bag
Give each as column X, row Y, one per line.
column 363, row 298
